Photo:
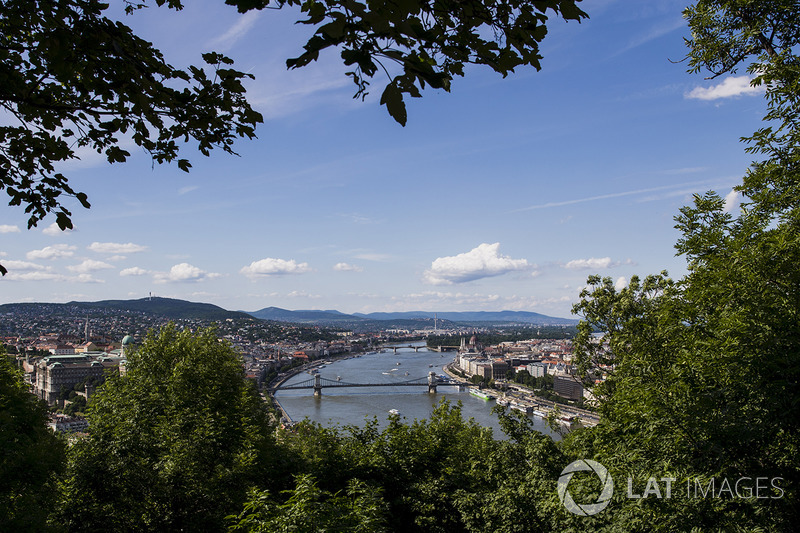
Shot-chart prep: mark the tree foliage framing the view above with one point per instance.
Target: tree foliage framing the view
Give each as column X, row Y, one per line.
column 31, row 456
column 176, row 441
column 704, row 372
column 703, row 384
column 72, row 78
column 444, row 474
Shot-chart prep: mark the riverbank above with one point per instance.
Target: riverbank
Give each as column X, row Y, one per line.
column 524, row 397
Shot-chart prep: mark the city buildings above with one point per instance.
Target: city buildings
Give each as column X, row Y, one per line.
column 56, row 373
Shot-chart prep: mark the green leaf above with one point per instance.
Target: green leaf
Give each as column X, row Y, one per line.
column 392, row 98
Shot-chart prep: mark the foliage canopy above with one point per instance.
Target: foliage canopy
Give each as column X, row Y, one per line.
column 704, row 370
column 31, row 456
column 175, row 442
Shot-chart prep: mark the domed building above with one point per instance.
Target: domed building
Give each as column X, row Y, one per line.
column 473, row 347
column 473, row 341
column 127, row 342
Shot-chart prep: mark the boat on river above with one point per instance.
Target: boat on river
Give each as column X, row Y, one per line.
column 480, row 394
column 524, row 408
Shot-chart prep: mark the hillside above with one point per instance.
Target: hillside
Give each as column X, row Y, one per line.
column 410, row 319
column 181, row 310
column 284, row 315
column 484, row 317
column 168, row 307
column 165, row 307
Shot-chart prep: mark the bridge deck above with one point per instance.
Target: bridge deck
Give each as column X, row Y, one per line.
column 329, row 383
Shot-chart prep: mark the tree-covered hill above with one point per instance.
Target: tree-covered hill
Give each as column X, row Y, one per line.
column 167, row 307
column 481, row 317
column 164, row 307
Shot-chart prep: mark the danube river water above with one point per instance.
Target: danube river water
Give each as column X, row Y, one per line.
column 355, row 405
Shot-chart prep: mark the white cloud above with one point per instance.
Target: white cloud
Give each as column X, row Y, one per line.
column 621, row 283
column 53, row 230
column 133, row 271
column 116, row 248
column 89, row 265
column 730, row 87
column 345, row 267
column 481, row 262
column 693, row 185
column 86, row 278
column 203, row 294
column 23, row 265
column 302, row 294
column 368, row 295
column 235, row 32
column 732, row 200
column 357, row 218
column 592, row 262
column 184, row 272
column 24, row 271
column 683, row 170
column 438, row 299
column 187, row 189
column 654, row 33
column 8, row 228
column 36, row 275
column 274, row 267
column 52, row 252
column 373, row 257
column 427, row 298
column 284, row 92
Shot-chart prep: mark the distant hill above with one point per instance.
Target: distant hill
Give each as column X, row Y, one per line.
column 515, row 317
column 409, row 319
column 181, row 310
column 168, row 307
column 284, row 315
column 337, row 319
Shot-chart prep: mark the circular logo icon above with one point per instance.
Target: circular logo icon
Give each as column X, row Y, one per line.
column 587, row 509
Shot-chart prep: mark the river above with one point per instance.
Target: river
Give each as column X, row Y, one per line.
column 353, row 406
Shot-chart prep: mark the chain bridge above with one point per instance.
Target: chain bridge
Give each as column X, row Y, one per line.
column 317, row 383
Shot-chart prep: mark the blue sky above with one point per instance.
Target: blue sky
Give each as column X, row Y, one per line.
column 503, row 194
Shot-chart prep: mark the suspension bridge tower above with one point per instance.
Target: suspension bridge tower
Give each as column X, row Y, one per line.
column 432, row 382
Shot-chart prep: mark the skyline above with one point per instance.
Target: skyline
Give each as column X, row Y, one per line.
column 504, row 194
